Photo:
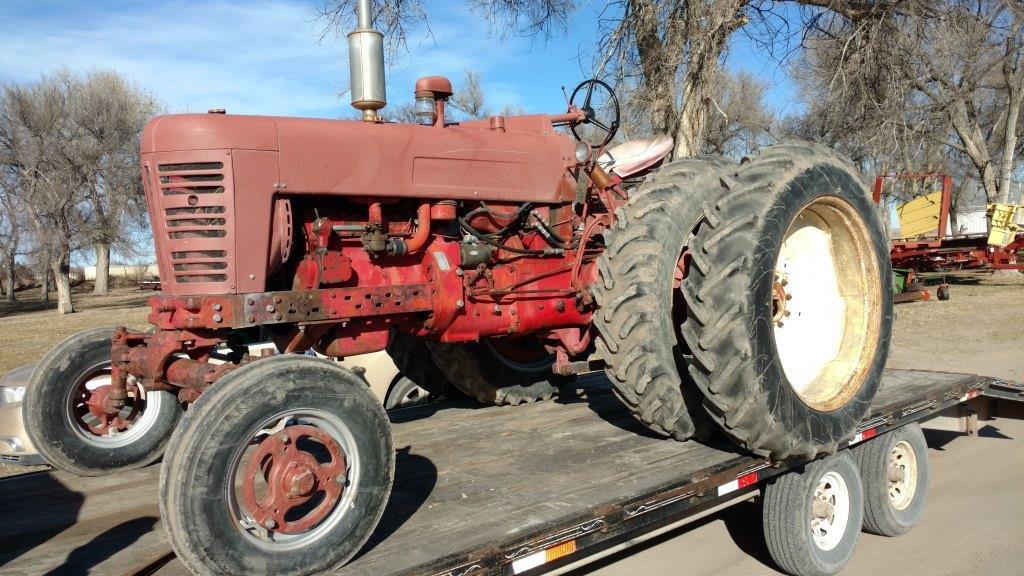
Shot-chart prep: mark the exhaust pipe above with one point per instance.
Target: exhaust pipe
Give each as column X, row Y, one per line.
column 366, row 65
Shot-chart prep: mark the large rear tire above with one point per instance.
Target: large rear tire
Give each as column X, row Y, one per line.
column 641, row 307
column 65, row 422
column 413, row 359
column 283, row 466
column 496, row 373
column 789, row 303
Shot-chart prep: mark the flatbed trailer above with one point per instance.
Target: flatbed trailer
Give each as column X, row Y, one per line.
column 480, row 490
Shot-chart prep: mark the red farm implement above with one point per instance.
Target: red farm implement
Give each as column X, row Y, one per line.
column 925, row 243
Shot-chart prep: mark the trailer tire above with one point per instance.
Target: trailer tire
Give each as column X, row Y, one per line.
column 893, row 506
column 942, row 292
column 413, row 359
column 640, row 309
column 477, row 370
column 405, row 392
column 262, row 410
column 799, row 545
column 58, row 387
column 761, row 253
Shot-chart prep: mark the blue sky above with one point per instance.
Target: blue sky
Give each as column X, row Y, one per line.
column 269, row 58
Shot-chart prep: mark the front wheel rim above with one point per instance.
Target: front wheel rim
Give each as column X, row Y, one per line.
column 138, row 416
column 306, row 516
column 825, row 303
column 830, row 511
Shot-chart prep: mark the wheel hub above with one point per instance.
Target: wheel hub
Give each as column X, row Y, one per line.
column 101, row 414
column 902, row 475
column 298, row 464
column 779, row 298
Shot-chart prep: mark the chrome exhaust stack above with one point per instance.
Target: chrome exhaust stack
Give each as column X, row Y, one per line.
column 366, row 65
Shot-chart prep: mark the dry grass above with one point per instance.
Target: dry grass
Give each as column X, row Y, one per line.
column 30, row 328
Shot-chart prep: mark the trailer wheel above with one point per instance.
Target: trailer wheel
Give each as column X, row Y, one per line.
column 283, row 466
column 68, row 423
column 811, row 518
column 894, row 467
column 942, row 292
column 498, row 372
column 641, row 304
column 789, row 303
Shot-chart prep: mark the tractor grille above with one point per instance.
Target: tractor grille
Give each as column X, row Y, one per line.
column 194, row 201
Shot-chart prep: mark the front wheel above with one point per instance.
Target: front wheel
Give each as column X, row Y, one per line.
column 68, row 422
column 283, row 466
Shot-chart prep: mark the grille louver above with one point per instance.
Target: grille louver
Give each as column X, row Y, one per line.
column 195, row 198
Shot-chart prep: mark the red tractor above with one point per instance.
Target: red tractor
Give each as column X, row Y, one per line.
column 503, row 254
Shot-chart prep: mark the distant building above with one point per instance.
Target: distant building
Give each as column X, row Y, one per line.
column 145, row 271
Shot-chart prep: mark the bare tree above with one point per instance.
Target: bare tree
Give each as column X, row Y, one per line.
column 12, row 230
column 665, row 54
column 107, row 115
column 740, row 122
column 37, row 143
column 469, row 97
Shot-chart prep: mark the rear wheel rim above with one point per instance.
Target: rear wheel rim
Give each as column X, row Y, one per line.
column 902, row 475
column 830, row 511
column 318, row 503
column 825, row 303
column 522, row 354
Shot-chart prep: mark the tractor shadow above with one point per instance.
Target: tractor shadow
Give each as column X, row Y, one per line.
column 596, row 392
column 36, row 508
column 415, row 478
column 83, row 558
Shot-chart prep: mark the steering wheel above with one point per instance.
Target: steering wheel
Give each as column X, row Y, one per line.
column 605, row 100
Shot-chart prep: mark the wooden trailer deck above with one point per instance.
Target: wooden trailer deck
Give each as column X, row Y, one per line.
column 470, row 482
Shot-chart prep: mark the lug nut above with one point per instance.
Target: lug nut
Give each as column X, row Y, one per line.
column 270, row 308
column 217, row 318
column 270, row 524
column 460, row 303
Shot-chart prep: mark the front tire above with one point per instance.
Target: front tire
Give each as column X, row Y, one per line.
column 68, row 429
column 283, row 466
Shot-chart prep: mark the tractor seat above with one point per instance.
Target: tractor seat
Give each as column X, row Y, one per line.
column 634, row 156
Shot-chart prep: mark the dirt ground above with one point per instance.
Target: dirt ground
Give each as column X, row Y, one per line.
column 979, row 330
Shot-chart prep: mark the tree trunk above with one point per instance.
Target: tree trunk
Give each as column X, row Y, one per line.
column 44, row 289
column 61, row 277
column 102, row 285
column 693, row 116
column 10, row 276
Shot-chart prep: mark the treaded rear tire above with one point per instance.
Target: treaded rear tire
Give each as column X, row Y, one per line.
column 728, row 292
column 414, row 360
column 636, row 332
column 475, row 369
column 880, row 515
